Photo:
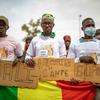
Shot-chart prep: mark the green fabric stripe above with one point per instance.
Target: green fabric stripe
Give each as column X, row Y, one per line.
column 8, row 93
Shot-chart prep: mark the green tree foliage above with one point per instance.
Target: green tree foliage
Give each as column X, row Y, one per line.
column 32, row 28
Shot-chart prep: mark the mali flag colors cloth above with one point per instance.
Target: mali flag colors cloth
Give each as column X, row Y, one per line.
column 50, row 90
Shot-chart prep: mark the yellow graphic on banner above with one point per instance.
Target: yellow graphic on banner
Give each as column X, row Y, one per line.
column 3, row 53
column 49, row 48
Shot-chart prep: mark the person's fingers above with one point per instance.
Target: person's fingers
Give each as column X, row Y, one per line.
column 87, row 59
column 73, row 81
column 14, row 63
column 30, row 62
column 94, row 63
column 97, row 84
column 21, row 60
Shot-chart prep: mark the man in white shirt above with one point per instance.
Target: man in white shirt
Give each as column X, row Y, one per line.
column 86, row 50
column 9, row 50
column 46, row 44
column 9, row 47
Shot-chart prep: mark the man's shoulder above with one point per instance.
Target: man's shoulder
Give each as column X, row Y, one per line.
column 12, row 40
column 58, row 39
column 82, row 42
column 36, row 38
column 9, row 39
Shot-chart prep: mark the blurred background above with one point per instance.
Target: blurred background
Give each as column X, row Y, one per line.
column 68, row 15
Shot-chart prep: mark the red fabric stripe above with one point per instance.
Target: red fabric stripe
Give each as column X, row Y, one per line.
column 81, row 91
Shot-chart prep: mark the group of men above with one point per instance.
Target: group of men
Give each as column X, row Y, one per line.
column 46, row 44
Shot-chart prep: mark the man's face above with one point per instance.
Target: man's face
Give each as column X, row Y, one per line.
column 67, row 44
column 88, row 23
column 3, row 28
column 28, row 43
column 47, row 26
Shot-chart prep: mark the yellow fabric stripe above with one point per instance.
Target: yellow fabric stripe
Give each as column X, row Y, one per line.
column 47, row 90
